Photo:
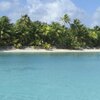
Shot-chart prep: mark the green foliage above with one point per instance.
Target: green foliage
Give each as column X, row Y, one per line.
column 65, row 19
column 38, row 34
column 93, row 35
column 5, row 31
column 46, row 46
column 18, row 46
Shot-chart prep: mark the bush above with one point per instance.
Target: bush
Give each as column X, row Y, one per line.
column 18, row 46
column 46, row 46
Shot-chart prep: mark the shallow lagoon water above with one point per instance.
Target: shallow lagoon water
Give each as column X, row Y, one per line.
column 66, row 76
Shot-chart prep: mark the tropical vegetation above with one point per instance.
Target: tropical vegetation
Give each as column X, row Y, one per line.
column 67, row 34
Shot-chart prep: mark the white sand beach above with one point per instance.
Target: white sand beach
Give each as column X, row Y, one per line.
column 32, row 50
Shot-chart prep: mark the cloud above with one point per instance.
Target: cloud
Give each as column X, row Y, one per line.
column 51, row 11
column 96, row 17
column 18, row 8
column 5, row 5
column 42, row 10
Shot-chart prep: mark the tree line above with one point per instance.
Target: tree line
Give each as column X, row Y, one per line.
column 70, row 34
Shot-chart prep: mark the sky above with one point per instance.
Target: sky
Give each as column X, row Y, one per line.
column 88, row 11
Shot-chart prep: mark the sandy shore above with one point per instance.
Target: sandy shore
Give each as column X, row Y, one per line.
column 30, row 50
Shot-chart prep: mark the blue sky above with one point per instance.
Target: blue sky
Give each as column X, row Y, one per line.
column 88, row 5
column 88, row 11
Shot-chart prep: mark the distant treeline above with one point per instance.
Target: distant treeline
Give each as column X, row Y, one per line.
column 71, row 34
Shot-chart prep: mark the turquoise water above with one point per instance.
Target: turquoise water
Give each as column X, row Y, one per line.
column 72, row 76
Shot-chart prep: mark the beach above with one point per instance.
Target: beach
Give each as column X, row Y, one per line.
column 32, row 50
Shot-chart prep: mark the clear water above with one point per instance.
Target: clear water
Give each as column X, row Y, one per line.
column 50, row 76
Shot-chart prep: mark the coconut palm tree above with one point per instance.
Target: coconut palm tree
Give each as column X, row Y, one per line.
column 66, row 19
column 5, row 31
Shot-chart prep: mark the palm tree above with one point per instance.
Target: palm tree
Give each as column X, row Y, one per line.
column 66, row 19
column 5, row 31
column 23, row 30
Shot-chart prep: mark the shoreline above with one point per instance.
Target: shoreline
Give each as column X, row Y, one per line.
column 31, row 50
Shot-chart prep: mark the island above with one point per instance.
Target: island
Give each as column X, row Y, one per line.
column 35, row 36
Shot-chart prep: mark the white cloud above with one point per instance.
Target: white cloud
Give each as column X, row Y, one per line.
column 96, row 17
column 17, row 10
column 11, row 8
column 42, row 10
column 5, row 5
column 52, row 11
